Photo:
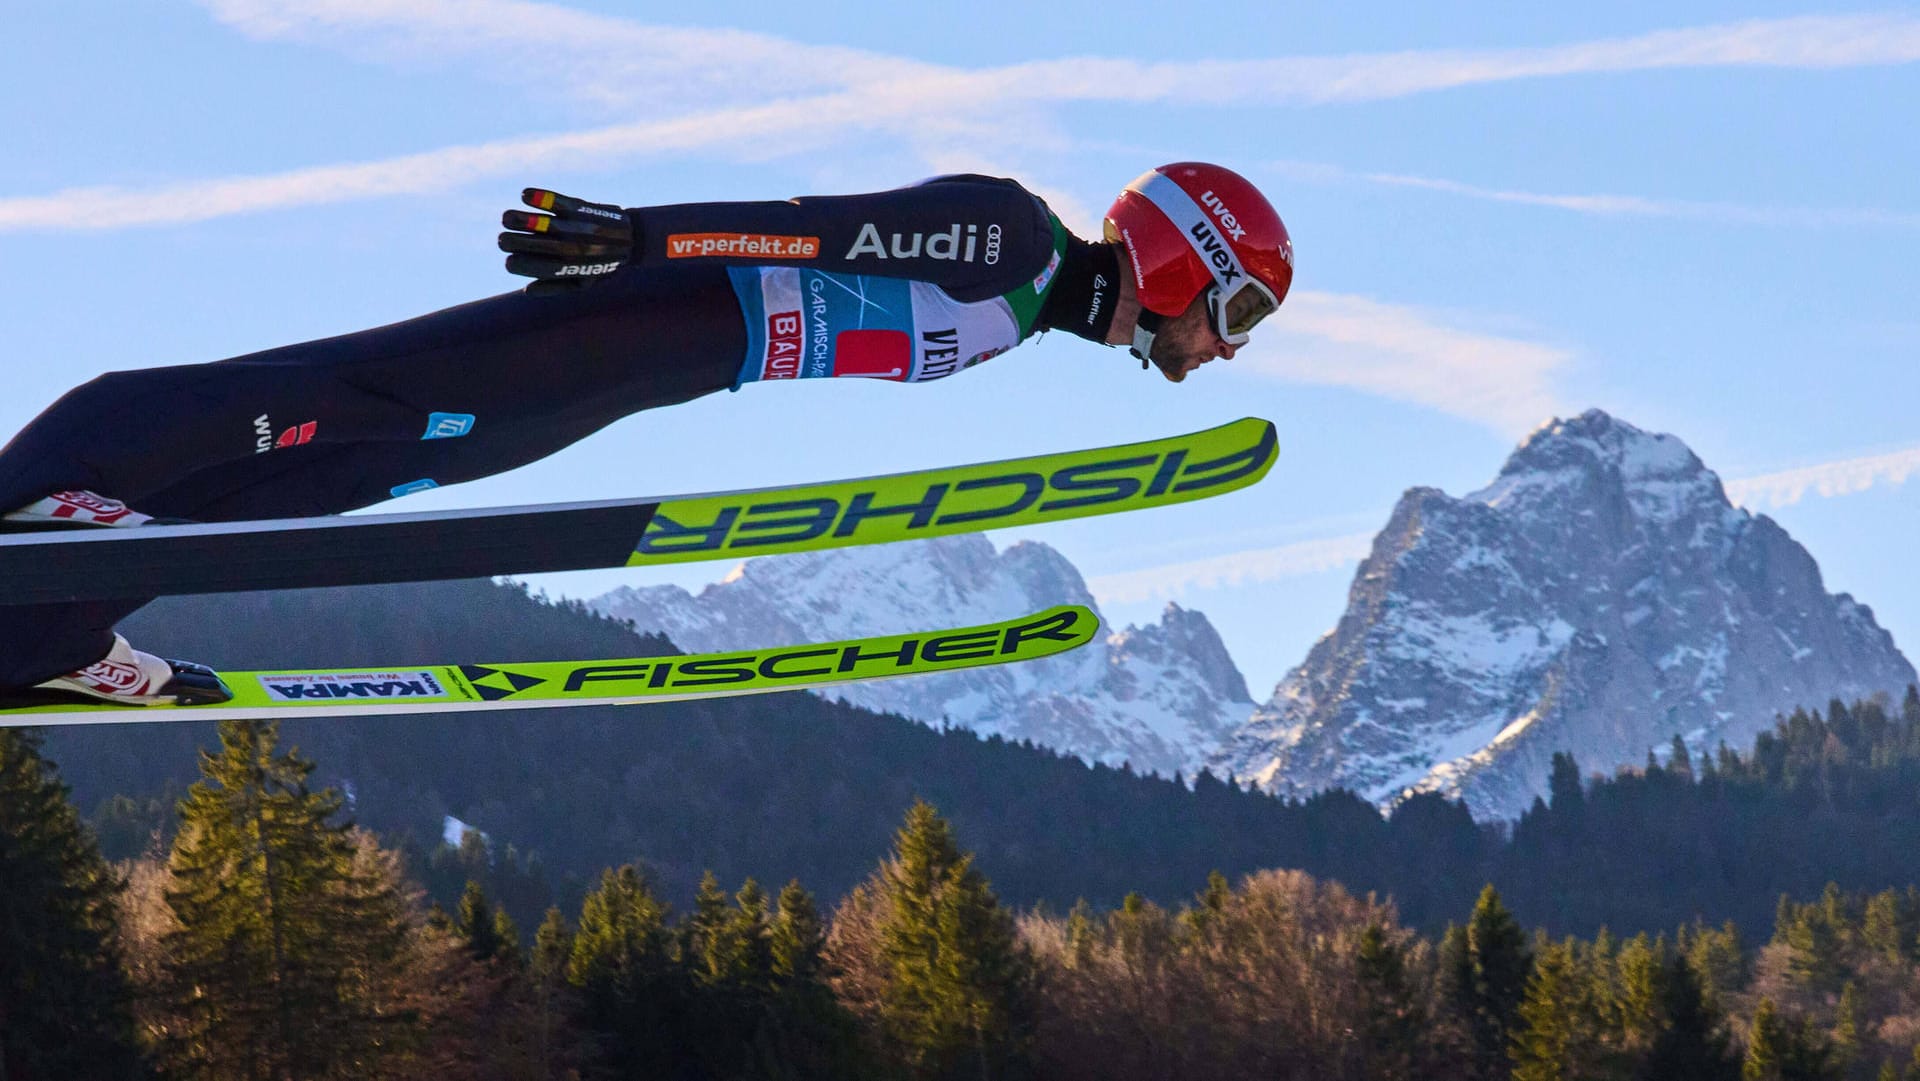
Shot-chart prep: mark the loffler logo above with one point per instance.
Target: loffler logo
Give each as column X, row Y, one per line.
column 365, row 686
column 1100, row 284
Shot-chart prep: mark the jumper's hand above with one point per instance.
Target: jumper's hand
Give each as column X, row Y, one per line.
column 576, row 245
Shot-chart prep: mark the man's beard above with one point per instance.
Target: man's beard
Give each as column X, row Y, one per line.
column 1173, row 368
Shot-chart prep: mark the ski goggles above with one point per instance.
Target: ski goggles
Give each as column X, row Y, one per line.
column 1235, row 317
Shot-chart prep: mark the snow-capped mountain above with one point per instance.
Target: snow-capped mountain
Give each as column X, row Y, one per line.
column 1600, row 597
column 1162, row 697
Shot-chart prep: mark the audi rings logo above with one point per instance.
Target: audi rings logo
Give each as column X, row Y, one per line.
column 993, row 244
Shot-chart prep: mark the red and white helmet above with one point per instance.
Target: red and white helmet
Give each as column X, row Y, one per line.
column 1191, row 226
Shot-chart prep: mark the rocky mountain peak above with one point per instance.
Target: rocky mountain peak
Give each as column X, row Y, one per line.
column 1600, row 596
column 1597, row 458
column 1162, row 697
column 1187, row 637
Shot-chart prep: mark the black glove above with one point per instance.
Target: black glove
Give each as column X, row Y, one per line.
column 576, row 245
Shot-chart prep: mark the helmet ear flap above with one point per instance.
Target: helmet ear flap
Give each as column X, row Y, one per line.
column 1144, row 330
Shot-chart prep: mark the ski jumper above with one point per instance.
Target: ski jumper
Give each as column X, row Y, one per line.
column 909, row 285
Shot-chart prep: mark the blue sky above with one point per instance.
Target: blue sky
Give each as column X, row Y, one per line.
column 1700, row 217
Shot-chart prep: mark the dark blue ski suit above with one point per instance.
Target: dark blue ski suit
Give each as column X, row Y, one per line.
column 910, row 285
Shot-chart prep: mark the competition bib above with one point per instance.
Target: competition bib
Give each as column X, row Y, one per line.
column 814, row 324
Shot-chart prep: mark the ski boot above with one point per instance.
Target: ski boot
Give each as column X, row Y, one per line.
column 129, row 677
column 125, row 676
column 73, row 510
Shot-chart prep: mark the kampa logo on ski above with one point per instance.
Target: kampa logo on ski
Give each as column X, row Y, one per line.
column 311, row 686
column 876, row 511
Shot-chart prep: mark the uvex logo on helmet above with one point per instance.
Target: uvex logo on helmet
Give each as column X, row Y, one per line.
column 1217, row 254
column 1227, row 220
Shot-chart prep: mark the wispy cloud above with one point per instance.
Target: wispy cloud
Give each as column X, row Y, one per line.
column 1806, row 42
column 602, row 59
column 843, row 93
column 1235, row 568
column 737, row 131
column 608, row 57
column 1621, row 205
column 1829, row 479
column 1411, row 355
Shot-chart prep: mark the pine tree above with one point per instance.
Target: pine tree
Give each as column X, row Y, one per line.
column 1692, row 1043
column 1392, row 1026
column 1846, row 1027
column 629, row 989
column 1779, row 1051
column 1485, row 965
column 1554, row 1038
column 1567, row 795
column 1882, row 928
column 1209, row 905
column 1679, row 761
column 547, row 973
column 749, row 935
column 727, row 953
column 706, row 945
column 809, row 1032
column 958, row 1000
column 64, row 1001
column 1814, row 939
column 475, row 924
column 1639, row 994
column 1082, row 934
column 1766, row 1045
column 285, row 939
column 507, row 934
column 797, row 937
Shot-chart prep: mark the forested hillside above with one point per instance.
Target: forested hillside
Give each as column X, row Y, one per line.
column 791, row 786
column 771, row 786
column 270, row 939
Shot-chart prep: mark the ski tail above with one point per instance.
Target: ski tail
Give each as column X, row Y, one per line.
column 453, row 688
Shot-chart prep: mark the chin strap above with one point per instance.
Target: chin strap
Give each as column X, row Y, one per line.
column 1144, row 328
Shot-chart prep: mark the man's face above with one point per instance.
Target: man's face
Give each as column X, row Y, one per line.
column 1187, row 341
